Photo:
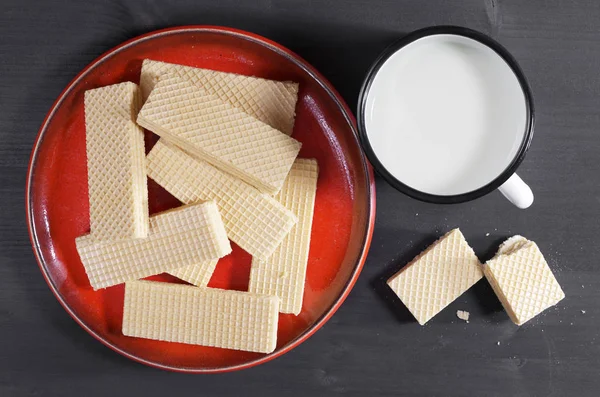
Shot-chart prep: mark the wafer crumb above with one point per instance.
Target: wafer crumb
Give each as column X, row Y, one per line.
column 583, row 312
column 463, row 315
column 487, row 234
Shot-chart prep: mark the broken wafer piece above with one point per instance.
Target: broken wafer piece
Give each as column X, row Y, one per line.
column 198, row 275
column 253, row 220
column 437, row 276
column 118, row 193
column 201, row 316
column 272, row 102
column 511, row 244
column 179, row 237
column 283, row 274
column 522, row 279
column 215, row 131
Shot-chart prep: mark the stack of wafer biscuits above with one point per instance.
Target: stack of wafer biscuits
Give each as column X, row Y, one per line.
column 227, row 154
column 219, row 133
column 272, row 102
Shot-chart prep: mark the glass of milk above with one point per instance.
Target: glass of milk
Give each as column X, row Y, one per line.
column 446, row 115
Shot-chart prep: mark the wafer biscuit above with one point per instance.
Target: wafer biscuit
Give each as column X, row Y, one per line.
column 202, row 316
column 179, row 237
column 283, row 274
column 198, row 275
column 118, row 194
column 253, row 220
column 437, row 276
column 219, row 133
column 272, row 102
column 522, row 280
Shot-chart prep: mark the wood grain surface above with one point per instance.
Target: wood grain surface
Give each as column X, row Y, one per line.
column 372, row 346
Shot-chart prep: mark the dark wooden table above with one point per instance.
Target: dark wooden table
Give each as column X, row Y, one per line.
column 368, row 348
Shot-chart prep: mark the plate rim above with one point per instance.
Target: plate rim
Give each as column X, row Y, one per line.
column 320, row 79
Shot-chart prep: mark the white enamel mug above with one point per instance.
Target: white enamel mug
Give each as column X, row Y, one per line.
column 446, row 115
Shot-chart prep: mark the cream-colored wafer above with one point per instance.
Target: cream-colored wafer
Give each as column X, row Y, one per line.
column 272, row 102
column 179, row 237
column 198, row 275
column 437, row 276
column 201, row 316
column 522, row 280
column 118, row 193
column 283, row 274
column 219, row 133
column 253, row 220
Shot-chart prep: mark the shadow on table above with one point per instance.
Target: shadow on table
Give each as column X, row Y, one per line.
column 484, row 295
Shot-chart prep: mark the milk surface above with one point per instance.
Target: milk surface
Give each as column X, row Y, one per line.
column 445, row 115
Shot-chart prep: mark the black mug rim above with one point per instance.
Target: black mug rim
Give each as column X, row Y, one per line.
column 510, row 61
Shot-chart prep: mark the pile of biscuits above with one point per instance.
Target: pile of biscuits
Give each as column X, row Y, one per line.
column 226, row 153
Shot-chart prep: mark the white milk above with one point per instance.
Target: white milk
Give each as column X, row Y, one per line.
column 445, row 115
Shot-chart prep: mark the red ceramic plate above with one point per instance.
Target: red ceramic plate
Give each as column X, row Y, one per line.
column 57, row 203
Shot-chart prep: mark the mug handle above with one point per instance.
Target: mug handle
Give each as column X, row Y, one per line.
column 517, row 191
